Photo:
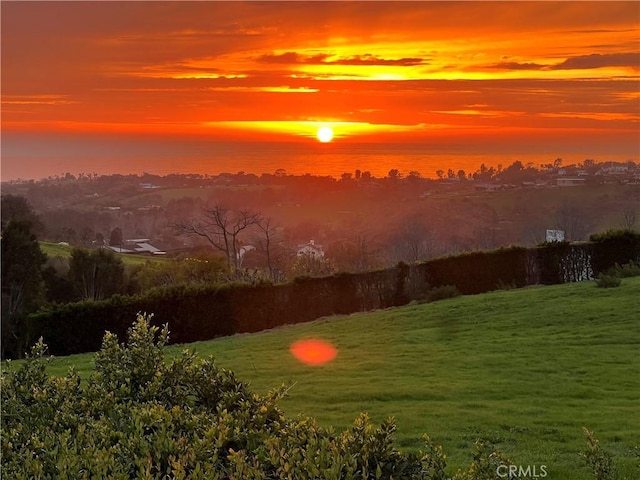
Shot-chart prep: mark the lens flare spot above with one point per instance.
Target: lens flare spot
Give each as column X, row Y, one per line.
column 314, row 352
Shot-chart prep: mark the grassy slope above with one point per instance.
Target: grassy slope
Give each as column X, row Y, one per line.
column 526, row 369
column 64, row 251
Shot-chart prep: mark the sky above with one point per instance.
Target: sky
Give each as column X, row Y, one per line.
column 495, row 75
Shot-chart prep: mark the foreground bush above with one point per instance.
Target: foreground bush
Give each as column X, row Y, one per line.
column 597, row 459
column 139, row 417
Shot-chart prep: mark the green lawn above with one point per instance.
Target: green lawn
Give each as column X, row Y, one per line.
column 526, row 369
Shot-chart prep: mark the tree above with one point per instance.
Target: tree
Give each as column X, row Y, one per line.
column 394, row 174
column 99, row 241
column 95, row 274
column 22, row 285
column 413, row 241
column 484, row 174
column 16, row 207
column 222, row 229
column 574, row 219
column 115, row 239
column 630, row 218
column 188, row 270
column 312, row 266
column 358, row 253
column 268, row 232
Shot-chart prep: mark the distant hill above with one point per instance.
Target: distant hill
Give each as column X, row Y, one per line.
column 64, row 251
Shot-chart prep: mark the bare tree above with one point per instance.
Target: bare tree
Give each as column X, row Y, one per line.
column 413, row 241
column 630, row 218
column 221, row 228
column 265, row 242
column 358, row 253
column 575, row 220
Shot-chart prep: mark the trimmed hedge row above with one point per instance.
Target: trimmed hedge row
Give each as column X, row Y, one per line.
column 203, row 312
column 479, row 272
column 614, row 247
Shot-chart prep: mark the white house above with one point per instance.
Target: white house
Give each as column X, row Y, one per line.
column 311, row 249
column 555, row 235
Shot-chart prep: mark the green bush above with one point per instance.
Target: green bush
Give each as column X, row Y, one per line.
column 608, row 281
column 141, row 417
column 486, row 465
column 597, row 459
column 440, row 293
column 628, row 270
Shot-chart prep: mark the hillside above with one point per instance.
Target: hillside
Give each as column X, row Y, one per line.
column 64, row 251
column 526, row 369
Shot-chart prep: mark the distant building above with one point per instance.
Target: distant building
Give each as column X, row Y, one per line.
column 570, row 181
column 311, row 249
column 555, row 235
column 137, row 245
column 487, row 187
column 615, row 169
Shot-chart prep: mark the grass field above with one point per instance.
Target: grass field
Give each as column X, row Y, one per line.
column 64, row 251
column 525, row 369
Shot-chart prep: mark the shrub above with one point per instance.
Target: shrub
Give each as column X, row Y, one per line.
column 608, row 281
column 628, row 270
column 598, row 459
column 140, row 417
column 440, row 293
column 486, row 464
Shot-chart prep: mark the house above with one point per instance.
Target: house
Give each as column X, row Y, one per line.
column 555, row 236
column 487, row 187
column 570, row 181
column 311, row 249
column 136, row 245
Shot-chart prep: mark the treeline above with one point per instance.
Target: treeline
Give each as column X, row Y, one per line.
column 206, row 311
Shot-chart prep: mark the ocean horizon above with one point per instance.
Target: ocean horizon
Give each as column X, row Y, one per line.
column 57, row 156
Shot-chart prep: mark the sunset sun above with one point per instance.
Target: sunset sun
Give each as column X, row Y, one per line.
column 325, row 134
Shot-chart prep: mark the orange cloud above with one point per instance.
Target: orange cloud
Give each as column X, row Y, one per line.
column 401, row 70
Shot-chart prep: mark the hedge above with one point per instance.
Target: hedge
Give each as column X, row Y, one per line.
column 203, row 312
